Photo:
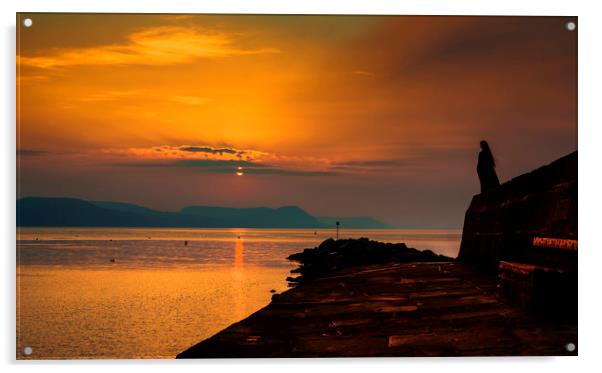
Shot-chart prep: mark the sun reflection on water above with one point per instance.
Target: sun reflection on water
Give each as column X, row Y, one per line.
column 239, row 249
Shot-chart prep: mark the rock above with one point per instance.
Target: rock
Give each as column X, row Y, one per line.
column 331, row 255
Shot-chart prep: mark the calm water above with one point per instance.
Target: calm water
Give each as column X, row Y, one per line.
column 159, row 296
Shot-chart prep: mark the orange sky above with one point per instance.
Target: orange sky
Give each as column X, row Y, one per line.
column 341, row 115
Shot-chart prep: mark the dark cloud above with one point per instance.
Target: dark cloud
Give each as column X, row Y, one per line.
column 286, row 172
column 218, row 166
column 210, row 150
column 193, row 163
column 372, row 163
column 31, row 152
column 212, row 163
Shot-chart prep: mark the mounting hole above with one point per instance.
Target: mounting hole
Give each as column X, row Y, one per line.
column 571, row 26
column 570, row 347
column 27, row 351
column 27, row 22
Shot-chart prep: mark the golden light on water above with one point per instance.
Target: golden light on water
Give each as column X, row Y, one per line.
column 97, row 313
column 239, row 254
column 76, row 304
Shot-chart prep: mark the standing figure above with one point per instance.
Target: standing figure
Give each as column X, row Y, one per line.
column 486, row 168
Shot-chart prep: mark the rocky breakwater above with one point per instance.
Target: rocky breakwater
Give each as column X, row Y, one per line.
column 333, row 255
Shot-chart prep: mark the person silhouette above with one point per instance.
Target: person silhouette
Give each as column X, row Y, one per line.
column 486, row 168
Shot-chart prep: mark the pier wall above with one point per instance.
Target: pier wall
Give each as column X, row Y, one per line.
column 529, row 219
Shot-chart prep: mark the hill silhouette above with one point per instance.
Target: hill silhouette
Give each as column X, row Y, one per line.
column 73, row 212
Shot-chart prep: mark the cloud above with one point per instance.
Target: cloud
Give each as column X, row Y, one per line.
column 190, row 152
column 226, row 159
column 289, row 172
column 119, row 95
column 208, row 149
column 228, row 167
column 363, row 73
column 189, row 100
column 191, row 163
column 164, row 45
column 110, row 95
column 31, row 152
column 212, row 163
column 31, row 78
column 372, row 163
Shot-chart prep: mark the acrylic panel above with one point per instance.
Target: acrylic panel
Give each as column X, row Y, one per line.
column 229, row 186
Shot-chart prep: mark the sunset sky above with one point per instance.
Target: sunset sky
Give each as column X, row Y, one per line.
column 340, row 115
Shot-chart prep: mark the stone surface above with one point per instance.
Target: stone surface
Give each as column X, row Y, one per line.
column 410, row 309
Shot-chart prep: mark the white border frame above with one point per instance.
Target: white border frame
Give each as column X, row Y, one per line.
column 590, row 60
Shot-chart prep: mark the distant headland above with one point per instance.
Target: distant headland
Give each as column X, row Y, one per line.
column 73, row 212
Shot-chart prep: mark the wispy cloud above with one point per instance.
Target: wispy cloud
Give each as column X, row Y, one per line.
column 120, row 95
column 21, row 78
column 372, row 163
column 217, row 166
column 290, row 172
column 362, row 72
column 162, row 45
column 211, row 164
column 191, row 152
column 226, row 159
column 379, row 166
column 110, row 95
column 31, row 152
column 190, row 100
column 219, row 160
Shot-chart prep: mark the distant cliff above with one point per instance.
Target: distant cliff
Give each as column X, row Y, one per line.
column 501, row 224
column 72, row 212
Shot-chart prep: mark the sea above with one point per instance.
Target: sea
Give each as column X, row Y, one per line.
column 131, row 293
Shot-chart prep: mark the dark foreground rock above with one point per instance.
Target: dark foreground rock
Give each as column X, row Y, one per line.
column 333, row 255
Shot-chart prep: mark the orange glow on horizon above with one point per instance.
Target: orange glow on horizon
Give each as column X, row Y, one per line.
column 317, row 110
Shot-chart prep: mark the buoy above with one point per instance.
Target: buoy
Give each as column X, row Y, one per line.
column 185, row 243
column 112, row 260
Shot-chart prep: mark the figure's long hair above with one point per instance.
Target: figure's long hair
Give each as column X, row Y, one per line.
column 487, row 151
